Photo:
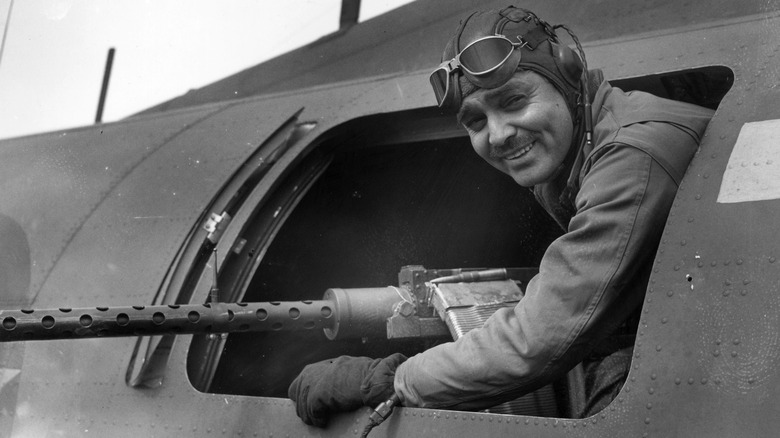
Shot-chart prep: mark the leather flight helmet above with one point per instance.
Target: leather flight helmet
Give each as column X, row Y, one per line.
column 540, row 51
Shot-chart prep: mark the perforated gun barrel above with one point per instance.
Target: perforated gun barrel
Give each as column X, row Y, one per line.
column 341, row 314
column 25, row 325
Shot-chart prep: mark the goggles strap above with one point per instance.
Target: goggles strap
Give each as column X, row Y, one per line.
column 460, row 32
column 516, row 14
column 534, row 37
column 500, row 24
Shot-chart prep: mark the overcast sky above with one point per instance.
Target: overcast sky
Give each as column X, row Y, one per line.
column 55, row 51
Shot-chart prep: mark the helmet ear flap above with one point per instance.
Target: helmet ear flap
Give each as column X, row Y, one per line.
column 569, row 64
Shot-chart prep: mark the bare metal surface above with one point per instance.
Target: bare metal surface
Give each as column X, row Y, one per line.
column 706, row 358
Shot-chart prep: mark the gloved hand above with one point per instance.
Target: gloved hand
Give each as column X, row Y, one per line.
column 342, row 384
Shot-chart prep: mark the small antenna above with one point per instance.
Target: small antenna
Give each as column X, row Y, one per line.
column 104, row 88
column 350, row 12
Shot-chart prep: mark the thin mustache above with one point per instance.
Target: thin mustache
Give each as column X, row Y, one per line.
column 511, row 145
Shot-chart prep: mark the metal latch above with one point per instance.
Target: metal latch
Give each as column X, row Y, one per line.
column 215, row 226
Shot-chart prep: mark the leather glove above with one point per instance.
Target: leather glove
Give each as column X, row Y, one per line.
column 342, row 384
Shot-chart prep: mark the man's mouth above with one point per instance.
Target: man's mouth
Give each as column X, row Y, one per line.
column 519, row 153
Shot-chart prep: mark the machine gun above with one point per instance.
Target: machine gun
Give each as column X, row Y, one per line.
column 426, row 303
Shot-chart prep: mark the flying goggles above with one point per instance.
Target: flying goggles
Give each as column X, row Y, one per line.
column 490, row 61
column 486, row 62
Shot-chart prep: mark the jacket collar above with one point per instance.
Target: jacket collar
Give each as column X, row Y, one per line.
column 572, row 165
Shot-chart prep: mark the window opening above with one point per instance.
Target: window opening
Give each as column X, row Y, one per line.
column 400, row 189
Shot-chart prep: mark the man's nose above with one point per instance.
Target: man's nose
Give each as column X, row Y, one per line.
column 499, row 130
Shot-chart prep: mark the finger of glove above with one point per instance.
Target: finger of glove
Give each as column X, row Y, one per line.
column 309, row 413
column 300, row 386
column 324, row 397
column 309, row 375
column 294, row 391
column 307, row 409
column 329, row 386
column 378, row 386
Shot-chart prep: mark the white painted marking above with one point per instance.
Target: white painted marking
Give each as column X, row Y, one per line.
column 753, row 172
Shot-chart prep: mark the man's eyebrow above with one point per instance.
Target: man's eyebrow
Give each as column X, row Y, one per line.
column 491, row 96
column 465, row 109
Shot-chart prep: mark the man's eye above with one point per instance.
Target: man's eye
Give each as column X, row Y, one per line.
column 514, row 100
column 475, row 124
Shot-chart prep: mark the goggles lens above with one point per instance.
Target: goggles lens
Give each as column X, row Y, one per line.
column 479, row 58
column 485, row 55
column 440, row 81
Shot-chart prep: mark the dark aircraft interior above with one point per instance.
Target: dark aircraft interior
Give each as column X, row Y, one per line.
column 373, row 195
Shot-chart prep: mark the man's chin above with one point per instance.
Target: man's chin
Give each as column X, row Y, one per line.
column 530, row 177
column 522, row 180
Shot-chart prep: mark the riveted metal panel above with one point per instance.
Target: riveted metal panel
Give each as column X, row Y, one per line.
column 128, row 242
column 125, row 236
column 705, row 362
column 709, row 348
column 52, row 183
column 111, row 222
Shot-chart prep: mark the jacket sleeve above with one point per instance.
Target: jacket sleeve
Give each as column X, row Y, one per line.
column 590, row 280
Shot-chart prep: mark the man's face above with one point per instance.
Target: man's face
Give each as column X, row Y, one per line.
column 522, row 128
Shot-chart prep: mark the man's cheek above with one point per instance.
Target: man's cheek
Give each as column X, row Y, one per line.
column 481, row 148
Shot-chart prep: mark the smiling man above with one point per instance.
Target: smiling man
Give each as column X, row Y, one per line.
column 605, row 164
column 521, row 128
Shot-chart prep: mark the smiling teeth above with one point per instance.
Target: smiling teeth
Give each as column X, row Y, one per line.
column 522, row 152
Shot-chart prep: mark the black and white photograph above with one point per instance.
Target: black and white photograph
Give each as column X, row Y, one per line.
column 389, row 218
